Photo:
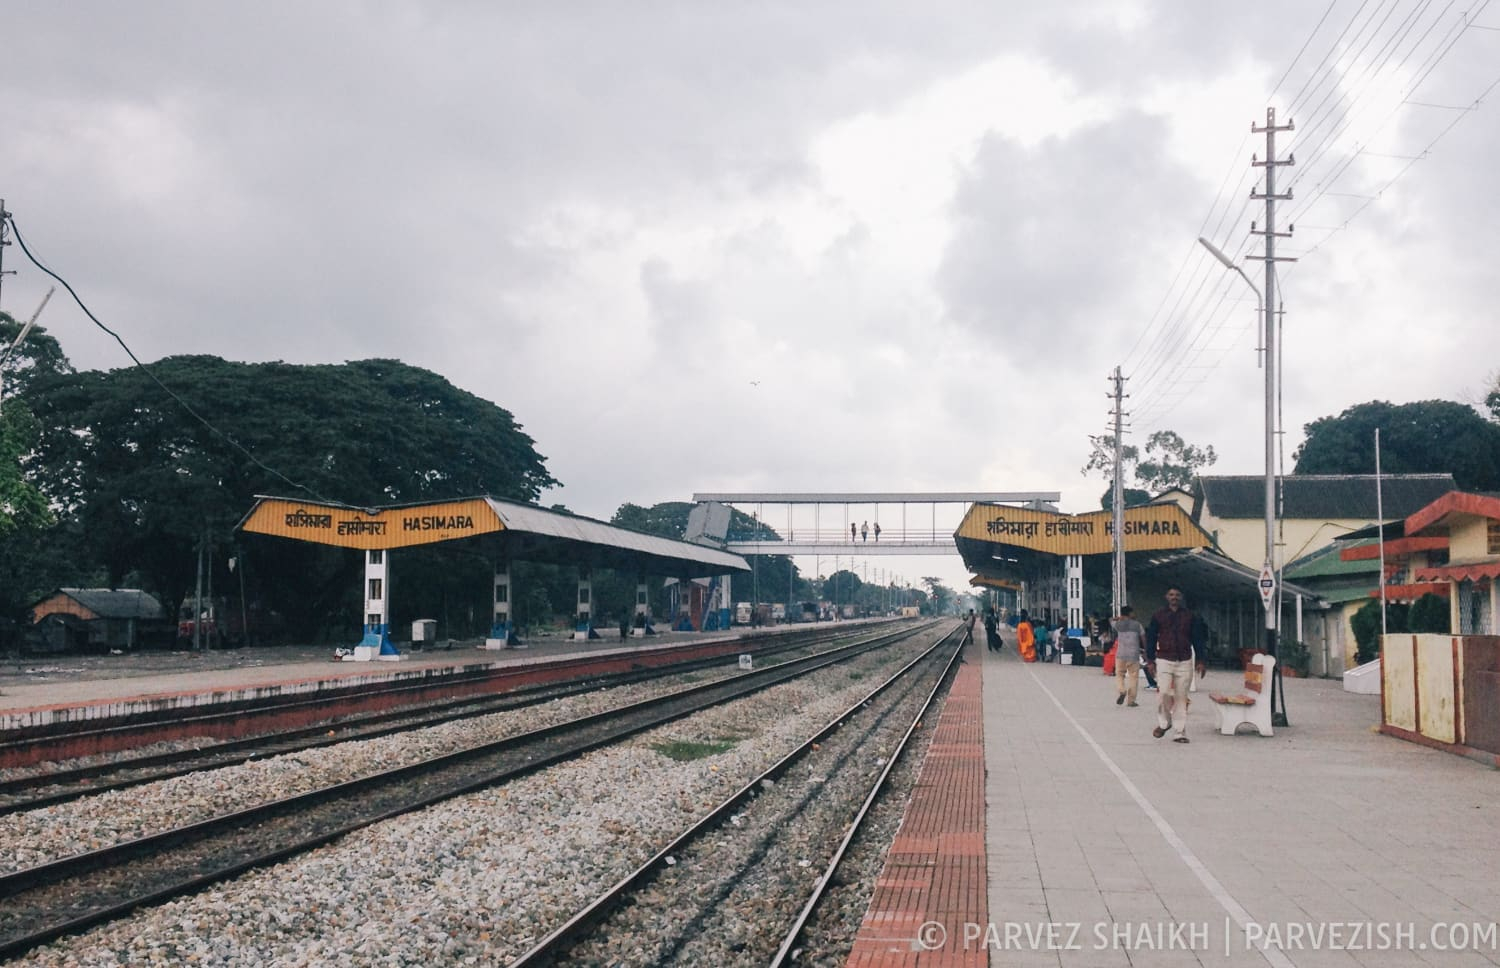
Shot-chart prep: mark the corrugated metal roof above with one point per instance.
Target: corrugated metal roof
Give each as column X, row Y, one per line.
column 115, row 602
column 1327, row 562
column 1207, row 574
column 531, row 533
column 1323, row 496
column 612, row 541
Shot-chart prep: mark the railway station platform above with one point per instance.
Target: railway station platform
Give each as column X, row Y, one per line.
column 1327, row 844
column 74, row 687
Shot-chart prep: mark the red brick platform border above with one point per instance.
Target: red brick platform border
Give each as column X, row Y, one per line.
column 935, row 871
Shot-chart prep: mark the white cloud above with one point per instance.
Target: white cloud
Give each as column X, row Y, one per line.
column 846, row 247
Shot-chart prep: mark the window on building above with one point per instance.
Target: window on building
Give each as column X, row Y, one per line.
column 376, row 589
column 1493, row 534
column 377, row 557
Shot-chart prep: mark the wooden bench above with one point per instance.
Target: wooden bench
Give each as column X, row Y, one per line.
column 1253, row 706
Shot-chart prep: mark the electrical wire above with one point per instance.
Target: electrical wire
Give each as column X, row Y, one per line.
column 1170, row 357
column 16, row 231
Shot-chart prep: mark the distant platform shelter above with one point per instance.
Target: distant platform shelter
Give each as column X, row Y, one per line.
column 504, row 531
column 1048, row 556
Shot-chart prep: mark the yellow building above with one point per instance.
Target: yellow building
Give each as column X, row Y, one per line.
column 1314, row 509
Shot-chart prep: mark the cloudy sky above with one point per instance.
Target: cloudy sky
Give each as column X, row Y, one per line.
column 842, row 246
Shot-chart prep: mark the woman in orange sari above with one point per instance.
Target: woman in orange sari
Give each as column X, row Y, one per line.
column 1026, row 638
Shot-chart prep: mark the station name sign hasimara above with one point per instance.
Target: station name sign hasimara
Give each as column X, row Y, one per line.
column 1153, row 527
column 373, row 528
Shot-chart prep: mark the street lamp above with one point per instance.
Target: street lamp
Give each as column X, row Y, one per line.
column 1268, row 570
column 20, row 338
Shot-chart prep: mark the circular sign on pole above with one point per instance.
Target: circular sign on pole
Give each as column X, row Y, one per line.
column 1267, row 584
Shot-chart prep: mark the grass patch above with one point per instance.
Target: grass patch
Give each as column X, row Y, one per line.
column 683, row 750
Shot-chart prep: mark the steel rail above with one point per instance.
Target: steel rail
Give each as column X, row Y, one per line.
column 552, row 946
column 106, row 736
column 71, row 784
column 788, row 950
column 189, row 875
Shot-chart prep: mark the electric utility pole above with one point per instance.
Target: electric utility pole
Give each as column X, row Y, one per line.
column 1118, row 501
column 1270, row 594
column 4, row 231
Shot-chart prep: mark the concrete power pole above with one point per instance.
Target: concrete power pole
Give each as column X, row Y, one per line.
column 4, row 231
column 1118, row 501
column 1269, row 592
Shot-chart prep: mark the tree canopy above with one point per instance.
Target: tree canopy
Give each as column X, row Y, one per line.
column 1168, row 461
column 140, row 480
column 1430, row 436
column 22, row 505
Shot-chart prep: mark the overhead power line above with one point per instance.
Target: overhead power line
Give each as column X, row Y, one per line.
column 187, row 407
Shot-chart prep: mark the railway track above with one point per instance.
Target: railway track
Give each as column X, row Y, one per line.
column 44, row 788
column 26, row 747
column 46, row 902
column 742, row 884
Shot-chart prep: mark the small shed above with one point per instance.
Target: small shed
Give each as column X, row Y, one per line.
column 103, row 618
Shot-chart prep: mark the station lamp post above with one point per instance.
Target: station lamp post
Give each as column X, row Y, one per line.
column 1270, row 594
column 5, row 355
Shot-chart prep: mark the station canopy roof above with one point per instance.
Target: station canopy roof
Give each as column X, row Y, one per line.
column 1002, row 545
column 500, row 529
column 1005, row 542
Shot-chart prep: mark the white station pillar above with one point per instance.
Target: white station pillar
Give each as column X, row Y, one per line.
column 641, row 626
column 376, row 643
column 583, row 629
column 500, row 627
column 1074, row 566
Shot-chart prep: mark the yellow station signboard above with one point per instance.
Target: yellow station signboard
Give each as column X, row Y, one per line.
column 1153, row 527
column 380, row 528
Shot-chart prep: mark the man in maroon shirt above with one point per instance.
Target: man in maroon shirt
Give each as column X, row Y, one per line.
column 1175, row 641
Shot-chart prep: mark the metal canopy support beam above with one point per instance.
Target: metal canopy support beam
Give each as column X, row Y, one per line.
column 882, row 497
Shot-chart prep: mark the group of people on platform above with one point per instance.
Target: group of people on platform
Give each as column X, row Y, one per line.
column 1169, row 651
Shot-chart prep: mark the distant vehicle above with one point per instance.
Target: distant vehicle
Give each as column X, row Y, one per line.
column 186, row 621
column 910, row 611
column 778, row 612
column 221, row 624
column 808, row 612
column 742, row 613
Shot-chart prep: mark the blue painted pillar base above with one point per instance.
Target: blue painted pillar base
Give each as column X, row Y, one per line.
column 379, row 637
column 584, row 631
column 684, row 624
column 502, row 636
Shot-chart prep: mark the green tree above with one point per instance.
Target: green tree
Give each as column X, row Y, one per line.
column 842, row 587
column 145, row 481
column 22, row 506
column 1167, row 462
column 1492, row 399
column 1133, row 496
column 1428, row 614
column 1431, row 437
column 1366, row 626
column 940, row 598
column 37, row 357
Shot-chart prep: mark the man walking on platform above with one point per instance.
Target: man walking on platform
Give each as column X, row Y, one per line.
column 1174, row 646
column 1129, row 639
